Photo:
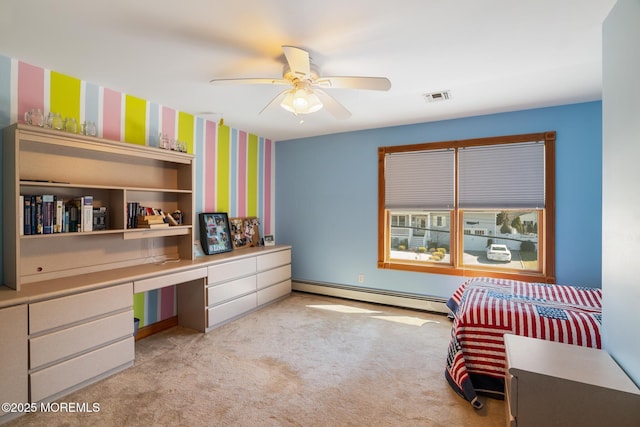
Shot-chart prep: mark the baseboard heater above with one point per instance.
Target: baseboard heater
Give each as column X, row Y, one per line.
column 378, row 296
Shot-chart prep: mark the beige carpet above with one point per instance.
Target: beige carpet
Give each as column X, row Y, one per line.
column 305, row 361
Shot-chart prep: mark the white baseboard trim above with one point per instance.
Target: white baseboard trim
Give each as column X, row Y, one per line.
column 378, row 296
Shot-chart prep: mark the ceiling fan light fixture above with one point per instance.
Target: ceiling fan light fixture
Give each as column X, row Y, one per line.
column 305, row 94
column 301, row 100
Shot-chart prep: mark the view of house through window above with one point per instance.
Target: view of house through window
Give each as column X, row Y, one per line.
column 425, row 236
column 475, row 207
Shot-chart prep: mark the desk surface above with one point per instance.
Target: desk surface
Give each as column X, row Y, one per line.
column 48, row 289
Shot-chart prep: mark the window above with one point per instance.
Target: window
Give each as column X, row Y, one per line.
column 475, row 231
column 442, row 206
column 398, row 220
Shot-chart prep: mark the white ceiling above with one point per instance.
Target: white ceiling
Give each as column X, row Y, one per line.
column 493, row 55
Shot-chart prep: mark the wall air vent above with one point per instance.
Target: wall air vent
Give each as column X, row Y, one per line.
column 437, row 96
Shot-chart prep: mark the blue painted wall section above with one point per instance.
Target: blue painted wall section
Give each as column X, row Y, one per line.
column 327, row 196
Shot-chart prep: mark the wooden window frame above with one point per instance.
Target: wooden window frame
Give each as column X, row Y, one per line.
column 546, row 218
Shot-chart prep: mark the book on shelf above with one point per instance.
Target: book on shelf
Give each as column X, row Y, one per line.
column 48, row 213
column 74, row 216
column 87, row 213
column 150, row 221
column 132, row 212
column 170, row 219
column 81, row 214
column 21, row 215
column 30, row 214
column 155, row 225
column 99, row 218
column 26, row 200
column 36, row 225
column 66, row 220
column 58, row 226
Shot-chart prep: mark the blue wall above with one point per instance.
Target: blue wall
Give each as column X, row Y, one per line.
column 327, row 195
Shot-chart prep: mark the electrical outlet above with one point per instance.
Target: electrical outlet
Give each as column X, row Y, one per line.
column 360, row 278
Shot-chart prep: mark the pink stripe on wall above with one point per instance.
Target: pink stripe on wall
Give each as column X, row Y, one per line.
column 210, row 167
column 111, row 114
column 167, row 299
column 169, row 122
column 267, row 187
column 242, row 174
column 30, row 89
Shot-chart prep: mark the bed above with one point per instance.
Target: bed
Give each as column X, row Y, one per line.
column 484, row 309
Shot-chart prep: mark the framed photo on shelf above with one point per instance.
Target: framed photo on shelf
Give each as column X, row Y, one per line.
column 215, row 237
column 269, row 240
column 245, row 232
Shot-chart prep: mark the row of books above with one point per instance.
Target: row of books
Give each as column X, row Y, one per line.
column 49, row 214
column 145, row 217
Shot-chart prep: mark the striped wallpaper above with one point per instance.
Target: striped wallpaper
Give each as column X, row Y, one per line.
column 234, row 169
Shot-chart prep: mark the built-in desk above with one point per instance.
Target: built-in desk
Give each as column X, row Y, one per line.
column 62, row 334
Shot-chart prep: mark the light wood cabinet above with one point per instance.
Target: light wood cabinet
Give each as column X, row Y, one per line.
column 40, row 161
column 556, row 384
column 237, row 283
column 70, row 375
column 77, row 339
column 274, row 276
column 238, row 287
column 13, row 354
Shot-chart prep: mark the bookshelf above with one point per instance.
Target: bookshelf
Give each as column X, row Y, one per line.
column 40, row 161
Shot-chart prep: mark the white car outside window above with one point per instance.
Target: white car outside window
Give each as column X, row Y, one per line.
column 499, row 253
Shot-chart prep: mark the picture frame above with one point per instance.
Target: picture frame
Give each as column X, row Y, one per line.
column 215, row 236
column 269, row 240
column 245, row 232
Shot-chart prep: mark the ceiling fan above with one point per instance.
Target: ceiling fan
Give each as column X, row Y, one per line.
column 306, row 94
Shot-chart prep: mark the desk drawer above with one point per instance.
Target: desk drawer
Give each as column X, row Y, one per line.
column 274, row 259
column 60, row 377
column 75, row 308
column 271, row 277
column 231, row 270
column 64, row 343
column 229, row 290
column 274, row 292
column 145, row 285
column 231, row 309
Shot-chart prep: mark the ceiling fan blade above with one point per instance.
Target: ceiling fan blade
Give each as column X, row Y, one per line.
column 250, row 81
column 336, row 109
column 299, row 62
column 275, row 101
column 367, row 83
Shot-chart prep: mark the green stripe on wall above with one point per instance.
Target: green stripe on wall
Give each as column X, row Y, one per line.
column 138, row 307
column 222, row 172
column 185, row 129
column 252, row 175
column 135, row 120
column 65, row 96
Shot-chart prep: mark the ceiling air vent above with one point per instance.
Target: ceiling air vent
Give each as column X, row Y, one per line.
column 437, row 96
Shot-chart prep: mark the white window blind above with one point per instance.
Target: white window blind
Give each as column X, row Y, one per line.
column 502, row 176
column 420, row 180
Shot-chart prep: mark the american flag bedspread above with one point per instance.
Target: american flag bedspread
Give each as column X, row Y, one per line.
column 484, row 309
